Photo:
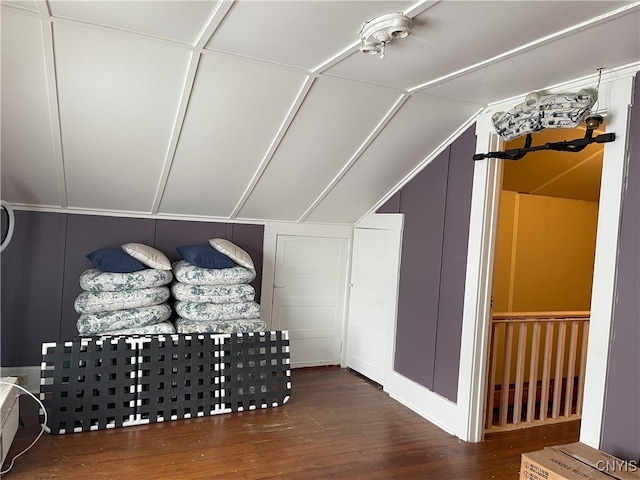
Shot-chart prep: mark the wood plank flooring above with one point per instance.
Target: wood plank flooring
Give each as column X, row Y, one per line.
column 337, row 425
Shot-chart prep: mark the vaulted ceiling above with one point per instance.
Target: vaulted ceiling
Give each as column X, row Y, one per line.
column 266, row 110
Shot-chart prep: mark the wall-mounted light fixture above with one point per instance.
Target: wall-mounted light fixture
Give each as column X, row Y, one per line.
column 540, row 111
column 377, row 32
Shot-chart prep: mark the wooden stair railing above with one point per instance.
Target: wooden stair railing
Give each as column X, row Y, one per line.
column 541, row 380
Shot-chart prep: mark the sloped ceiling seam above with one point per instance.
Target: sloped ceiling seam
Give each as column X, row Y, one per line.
column 354, row 158
column 418, row 168
column 194, row 62
column 417, row 9
column 567, row 171
column 213, row 23
column 177, row 130
column 302, row 94
column 588, row 81
column 531, row 45
column 420, row 7
column 54, row 106
column 336, row 59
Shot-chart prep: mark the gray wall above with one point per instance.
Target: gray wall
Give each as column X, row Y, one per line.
column 42, row 265
column 621, row 429
column 436, row 204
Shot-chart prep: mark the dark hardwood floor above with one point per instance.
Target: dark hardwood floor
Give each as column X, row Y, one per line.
column 336, row 425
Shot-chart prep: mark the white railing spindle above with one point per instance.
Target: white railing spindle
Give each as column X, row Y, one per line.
column 571, row 368
column 506, row 375
column 522, row 350
column 528, row 393
column 533, row 372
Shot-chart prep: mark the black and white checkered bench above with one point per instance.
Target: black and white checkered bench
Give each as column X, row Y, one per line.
column 106, row 382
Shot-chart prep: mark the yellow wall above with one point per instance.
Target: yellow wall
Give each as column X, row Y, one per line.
column 544, row 253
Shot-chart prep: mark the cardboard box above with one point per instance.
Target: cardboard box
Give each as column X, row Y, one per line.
column 575, row 461
column 612, row 466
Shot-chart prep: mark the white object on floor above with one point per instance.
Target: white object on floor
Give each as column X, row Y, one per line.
column 9, row 414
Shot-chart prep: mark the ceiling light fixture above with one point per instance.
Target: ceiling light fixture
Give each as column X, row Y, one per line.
column 379, row 31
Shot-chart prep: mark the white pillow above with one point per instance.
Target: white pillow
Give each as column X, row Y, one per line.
column 148, row 255
column 232, row 251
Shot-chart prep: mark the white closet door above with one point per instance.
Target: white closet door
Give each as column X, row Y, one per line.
column 373, row 299
column 309, row 296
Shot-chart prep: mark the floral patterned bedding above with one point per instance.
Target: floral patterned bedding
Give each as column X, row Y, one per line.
column 213, row 293
column 158, row 328
column 94, row 302
column 217, row 311
column 220, row 326
column 186, row 273
column 94, row 280
column 97, row 323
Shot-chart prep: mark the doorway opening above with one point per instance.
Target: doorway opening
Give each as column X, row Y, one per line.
column 542, row 283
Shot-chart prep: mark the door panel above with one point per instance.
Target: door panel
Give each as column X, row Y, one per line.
column 309, row 296
column 372, row 303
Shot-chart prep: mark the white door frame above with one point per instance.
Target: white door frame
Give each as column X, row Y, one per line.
column 271, row 232
column 615, row 97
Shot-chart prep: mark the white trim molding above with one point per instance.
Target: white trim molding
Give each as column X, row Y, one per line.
column 605, row 269
column 615, row 97
column 382, row 221
column 429, row 405
column 476, row 323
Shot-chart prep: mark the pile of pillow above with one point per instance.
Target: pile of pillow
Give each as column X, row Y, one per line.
column 212, row 289
column 125, row 293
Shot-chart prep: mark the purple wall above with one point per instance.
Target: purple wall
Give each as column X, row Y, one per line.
column 621, row 429
column 436, row 205
column 422, row 201
column 32, row 279
column 42, row 265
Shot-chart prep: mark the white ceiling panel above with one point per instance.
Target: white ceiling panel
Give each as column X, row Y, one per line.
column 302, row 33
column 614, row 42
column 414, row 133
column 225, row 137
column 177, row 20
column 29, row 173
column 30, row 5
column 335, row 119
column 452, row 35
column 118, row 103
column 261, row 110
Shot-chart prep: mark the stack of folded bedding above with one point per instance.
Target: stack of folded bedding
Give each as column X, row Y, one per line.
column 126, row 292
column 212, row 290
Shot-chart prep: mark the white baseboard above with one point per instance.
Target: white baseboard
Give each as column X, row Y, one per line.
column 429, row 405
column 30, row 374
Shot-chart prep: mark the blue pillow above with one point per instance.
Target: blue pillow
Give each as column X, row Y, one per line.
column 205, row 256
column 114, row 260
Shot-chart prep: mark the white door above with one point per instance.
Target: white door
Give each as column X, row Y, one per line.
column 309, row 296
column 373, row 299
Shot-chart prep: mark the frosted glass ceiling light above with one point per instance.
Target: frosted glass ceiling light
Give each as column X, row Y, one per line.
column 377, row 32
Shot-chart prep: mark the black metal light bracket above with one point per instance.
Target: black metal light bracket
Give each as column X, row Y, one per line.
column 575, row 145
